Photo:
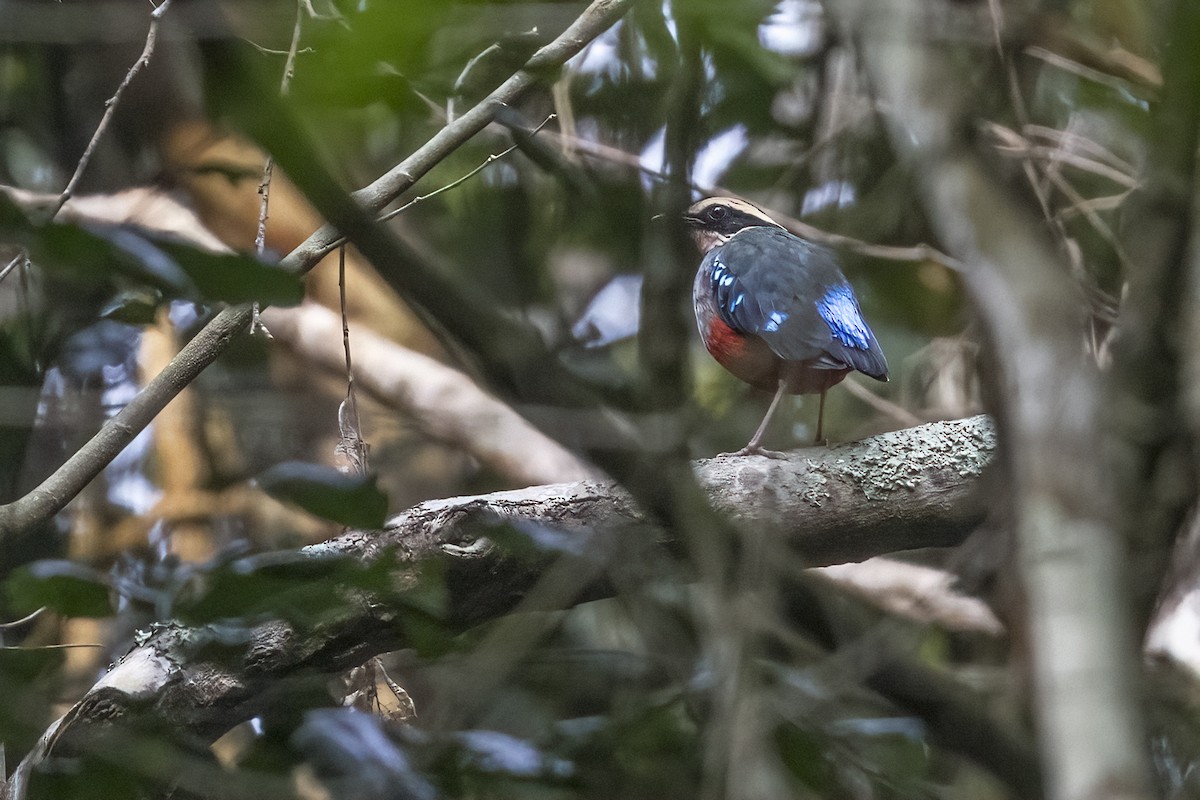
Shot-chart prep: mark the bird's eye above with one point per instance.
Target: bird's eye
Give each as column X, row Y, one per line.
column 717, row 213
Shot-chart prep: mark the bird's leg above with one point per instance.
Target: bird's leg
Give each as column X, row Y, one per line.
column 754, row 447
column 821, row 419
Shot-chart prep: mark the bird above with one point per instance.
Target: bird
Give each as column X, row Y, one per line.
column 775, row 309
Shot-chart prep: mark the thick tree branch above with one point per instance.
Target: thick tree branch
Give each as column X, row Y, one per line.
column 912, row 488
column 66, row 482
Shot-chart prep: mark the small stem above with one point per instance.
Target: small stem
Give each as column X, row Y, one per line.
column 264, row 187
column 110, row 108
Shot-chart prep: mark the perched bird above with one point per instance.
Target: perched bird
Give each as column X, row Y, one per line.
column 774, row 309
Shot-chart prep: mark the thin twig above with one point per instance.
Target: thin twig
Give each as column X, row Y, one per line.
column 882, row 405
column 1107, row 203
column 494, row 157
column 1016, row 144
column 1080, row 204
column 62, row 646
column 352, row 445
column 268, row 51
column 1061, row 155
column 312, row 12
column 596, row 19
column 264, row 187
column 110, row 107
column 1076, row 141
column 920, row 252
column 491, row 159
column 30, row 617
column 1083, row 71
column 17, row 259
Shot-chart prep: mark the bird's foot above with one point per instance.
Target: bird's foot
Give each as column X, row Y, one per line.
column 758, row 450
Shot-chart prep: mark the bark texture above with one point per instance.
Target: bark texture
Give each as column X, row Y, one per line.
column 918, row 487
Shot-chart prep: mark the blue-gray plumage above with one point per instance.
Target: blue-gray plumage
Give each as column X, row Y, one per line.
column 775, row 309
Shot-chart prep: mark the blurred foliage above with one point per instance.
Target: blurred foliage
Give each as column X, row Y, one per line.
column 352, row 500
column 661, row 692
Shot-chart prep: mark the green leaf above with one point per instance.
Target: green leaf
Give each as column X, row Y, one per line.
column 70, row 589
column 309, row 589
column 98, row 254
column 235, row 278
column 27, row 664
column 299, row 587
column 352, row 500
column 133, row 307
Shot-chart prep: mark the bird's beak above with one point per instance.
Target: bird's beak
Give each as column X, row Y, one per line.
column 688, row 219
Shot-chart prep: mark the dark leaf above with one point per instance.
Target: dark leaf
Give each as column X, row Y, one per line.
column 133, row 307
column 301, row 588
column 527, row 538
column 27, row 664
column 352, row 500
column 70, row 589
column 307, row 590
column 235, row 278
column 96, row 254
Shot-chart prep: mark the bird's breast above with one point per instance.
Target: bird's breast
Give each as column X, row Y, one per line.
column 747, row 356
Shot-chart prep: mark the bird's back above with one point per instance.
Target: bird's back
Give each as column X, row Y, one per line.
column 766, row 284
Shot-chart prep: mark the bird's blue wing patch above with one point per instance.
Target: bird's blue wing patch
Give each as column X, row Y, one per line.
column 741, row 311
column 840, row 311
column 728, row 290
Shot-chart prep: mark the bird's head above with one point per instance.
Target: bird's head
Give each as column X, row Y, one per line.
column 715, row 220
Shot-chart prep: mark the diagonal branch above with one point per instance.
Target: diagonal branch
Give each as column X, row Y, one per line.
column 86, row 463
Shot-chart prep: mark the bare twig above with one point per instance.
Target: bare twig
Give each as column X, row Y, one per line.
column 110, row 107
column 921, row 252
column 61, row 646
column 491, row 159
column 1075, row 141
column 494, row 157
column 351, row 444
column 264, row 186
column 881, row 404
column 30, row 617
column 17, row 259
column 1017, row 145
column 1144, row 74
column 267, row 51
